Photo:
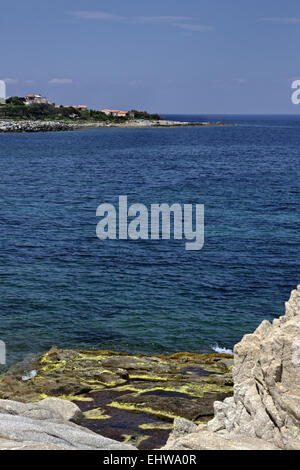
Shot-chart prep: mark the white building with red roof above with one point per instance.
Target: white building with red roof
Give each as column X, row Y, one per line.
column 35, row 98
column 114, row 112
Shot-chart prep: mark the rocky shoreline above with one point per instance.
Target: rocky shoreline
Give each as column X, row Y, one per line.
column 130, row 398
column 133, row 401
column 34, row 126
column 51, row 126
column 142, row 123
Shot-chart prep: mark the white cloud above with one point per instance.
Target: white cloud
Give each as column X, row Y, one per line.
column 230, row 82
column 159, row 19
column 177, row 21
column 61, row 81
column 10, row 81
column 241, row 81
column 194, row 27
column 103, row 16
column 96, row 15
column 136, row 83
column 280, row 20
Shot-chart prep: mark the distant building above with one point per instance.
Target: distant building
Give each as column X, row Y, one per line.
column 114, row 112
column 30, row 99
column 2, row 92
column 82, row 107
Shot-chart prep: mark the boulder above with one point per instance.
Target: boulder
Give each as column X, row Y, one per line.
column 181, row 427
column 29, row 410
column 48, row 409
column 225, row 364
column 43, row 426
column 66, row 409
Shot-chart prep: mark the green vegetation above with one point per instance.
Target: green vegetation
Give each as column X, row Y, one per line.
column 16, row 109
column 16, row 101
column 143, row 115
column 44, row 111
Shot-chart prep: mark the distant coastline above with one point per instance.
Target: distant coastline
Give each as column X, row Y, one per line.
column 138, row 123
column 33, row 113
column 10, row 125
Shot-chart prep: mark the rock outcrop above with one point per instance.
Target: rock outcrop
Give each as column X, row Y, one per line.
column 187, row 436
column 47, row 409
column 265, row 408
column 47, row 425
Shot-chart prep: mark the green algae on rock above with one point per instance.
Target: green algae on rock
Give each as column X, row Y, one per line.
column 114, row 387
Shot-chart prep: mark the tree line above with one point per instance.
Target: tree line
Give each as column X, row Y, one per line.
column 15, row 108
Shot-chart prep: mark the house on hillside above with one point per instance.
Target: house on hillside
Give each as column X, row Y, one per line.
column 34, row 98
column 114, row 112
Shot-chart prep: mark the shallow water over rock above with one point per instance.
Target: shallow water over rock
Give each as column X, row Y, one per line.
column 131, row 398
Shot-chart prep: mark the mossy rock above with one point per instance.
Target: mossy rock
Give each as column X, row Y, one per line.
column 114, row 387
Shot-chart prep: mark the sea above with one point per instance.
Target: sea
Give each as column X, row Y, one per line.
column 61, row 285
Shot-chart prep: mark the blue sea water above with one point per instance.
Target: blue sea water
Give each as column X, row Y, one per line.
column 61, row 285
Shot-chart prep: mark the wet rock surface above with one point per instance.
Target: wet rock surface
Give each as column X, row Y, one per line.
column 130, row 398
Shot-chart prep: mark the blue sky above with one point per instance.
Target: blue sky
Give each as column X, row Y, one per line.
column 197, row 56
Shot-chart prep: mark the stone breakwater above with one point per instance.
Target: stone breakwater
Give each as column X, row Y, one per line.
column 33, row 126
